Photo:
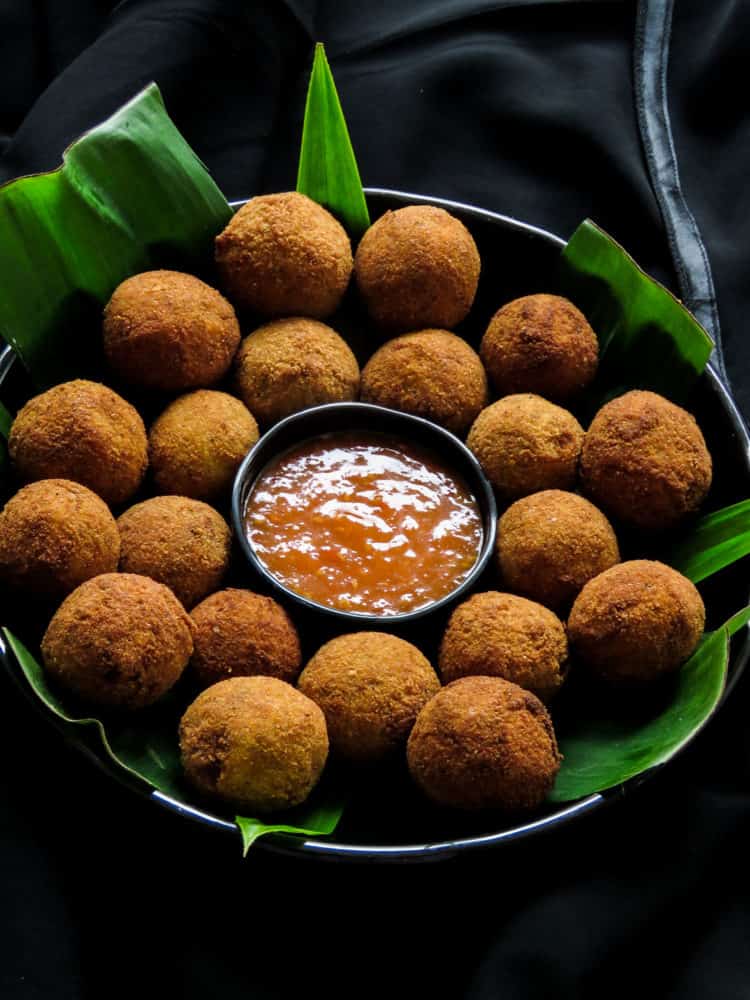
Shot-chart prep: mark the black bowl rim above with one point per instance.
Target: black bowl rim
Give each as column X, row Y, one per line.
column 243, row 484
column 405, row 853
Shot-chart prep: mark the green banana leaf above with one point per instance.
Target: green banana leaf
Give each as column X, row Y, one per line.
column 130, row 195
column 715, row 541
column 647, row 338
column 146, row 752
column 327, row 170
column 600, row 753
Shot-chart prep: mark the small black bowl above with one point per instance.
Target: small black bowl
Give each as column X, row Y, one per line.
column 320, row 420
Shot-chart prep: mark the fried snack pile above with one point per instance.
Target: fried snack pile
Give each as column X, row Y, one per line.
column 208, row 369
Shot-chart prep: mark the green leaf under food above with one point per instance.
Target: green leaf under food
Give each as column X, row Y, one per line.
column 647, row 338
column 327, row 170
column 307, row 821
column 714, row 541
column 146, row 750
column 130, row 195
column 600, row 753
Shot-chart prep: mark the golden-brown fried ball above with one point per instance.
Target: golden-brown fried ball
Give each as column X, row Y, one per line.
column 169, row 331
column 119, row 640
column 525, row 444
column 195, row 447
column 551, row 543
column 254, row 742
column 484, row 743
column 540, row 343
column 291, row 364
column 417, row 267
column 645, row 461
column 284, row 255
column 180, row 542
column 500, row 635
column 54, row 535
column 238, row 633
column 432, row 373
column 370, row 686
column 82, row 431
column 636, row 621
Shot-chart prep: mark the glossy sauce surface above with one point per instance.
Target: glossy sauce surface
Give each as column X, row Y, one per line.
column 364, row 522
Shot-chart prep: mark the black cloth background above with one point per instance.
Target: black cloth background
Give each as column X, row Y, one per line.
column 526, row 108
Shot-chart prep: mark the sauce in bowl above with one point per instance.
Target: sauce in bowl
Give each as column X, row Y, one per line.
column 364, row 522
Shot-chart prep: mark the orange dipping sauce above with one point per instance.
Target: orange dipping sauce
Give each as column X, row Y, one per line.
column 365, row 523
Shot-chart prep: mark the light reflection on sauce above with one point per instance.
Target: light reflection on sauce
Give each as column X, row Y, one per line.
column 364, row 522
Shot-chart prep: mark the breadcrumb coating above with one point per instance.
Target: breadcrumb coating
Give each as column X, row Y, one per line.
column 239, row 633
column 636, row 621
column 169, row 331
column 255, row 742
column 501, row 635
column 484, row 743
column 430, row 373
column 284, row 255
column 645, row 461
column 551, row 543
column 417, row 268
column 119, row 641
column 525, row 443
column 370, row 687
column 540, row 343
column 83, row 431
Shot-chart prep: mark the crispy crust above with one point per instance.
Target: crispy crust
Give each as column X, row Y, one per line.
column 238, row 633
column 177, row 541
column 551, row 543
column 196, row 445
column 284, row 255
column 430, row 373
column 540, row 343
column 169, row 331
column 417, row 267
column 118, row 640
column 645, row 461
column 525, row 444
column 291, row 364
column 636, row 621
column 255, row 742
column 500, row 635
column 483, row 742
column 54, row 535
column 82, row 431
column 370, row 687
